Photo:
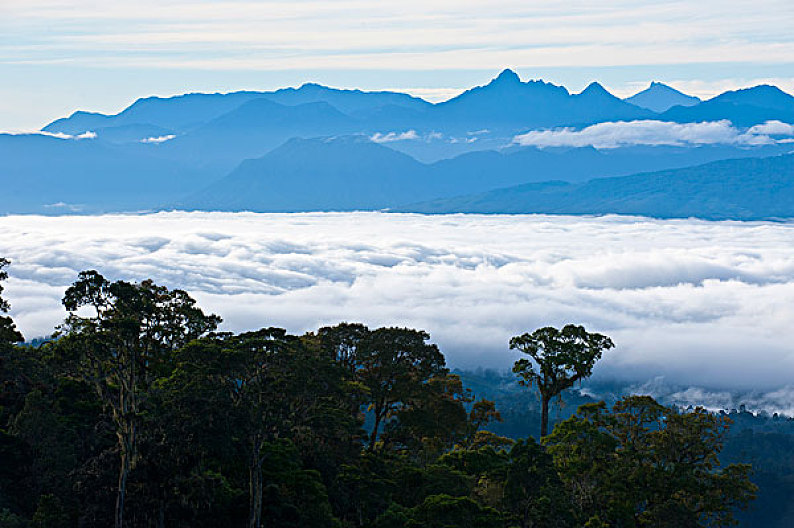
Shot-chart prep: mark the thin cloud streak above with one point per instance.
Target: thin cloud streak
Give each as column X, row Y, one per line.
column 615, row 134
column 88, row 134
column 443, row 35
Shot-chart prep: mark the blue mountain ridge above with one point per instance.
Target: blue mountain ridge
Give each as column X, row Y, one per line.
column 171, row 150
column 746, row 107
column 735, row 189
column 353, row 173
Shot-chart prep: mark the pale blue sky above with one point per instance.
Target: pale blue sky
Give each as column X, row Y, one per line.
column 57, row 56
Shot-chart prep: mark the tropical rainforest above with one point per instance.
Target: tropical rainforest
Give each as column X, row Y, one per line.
column 140, row 412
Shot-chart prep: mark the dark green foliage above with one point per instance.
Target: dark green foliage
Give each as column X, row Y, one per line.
column 8, row 519
column 294, row 496
column 8, row 332
column 13, row 374
column 50, row 513
column 393, row 365
column 441, row 511
column 533, row 492
column 647, row 465
column 140, row 415
column 123, row 347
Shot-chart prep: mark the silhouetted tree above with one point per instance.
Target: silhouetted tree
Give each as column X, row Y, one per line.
column 8, row 332
column 559, row 358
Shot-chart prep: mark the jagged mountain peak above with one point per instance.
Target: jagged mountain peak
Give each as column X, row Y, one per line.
column 596, row 89
column 506, row 76
column 660, row 97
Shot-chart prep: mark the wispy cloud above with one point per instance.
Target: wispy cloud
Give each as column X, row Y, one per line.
column 614, row 134
column 701, row 303
column 779, row 400
column 58, row 135
column 158, row 139
column 64, row 206
column 394, row 136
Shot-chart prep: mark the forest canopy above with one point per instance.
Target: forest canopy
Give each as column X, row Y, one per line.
column 140, row 412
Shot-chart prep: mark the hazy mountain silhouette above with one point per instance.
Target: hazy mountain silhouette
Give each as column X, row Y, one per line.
column 531, row 164
column 161, row 149
column 659, row 97
column 351, row 102
column 347, row 173
column 763, row 96
column 255, row 128
column 182, row 113
column 745, row 189
column 179, row 113
column 318, row 174
column 134, row 133
column 507, row 102
column 745, row 107
column 50, row 175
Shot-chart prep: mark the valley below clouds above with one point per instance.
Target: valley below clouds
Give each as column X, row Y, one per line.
column 689, row 303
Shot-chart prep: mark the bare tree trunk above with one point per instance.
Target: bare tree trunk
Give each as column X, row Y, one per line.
column 374, row 436
column 544, row 416
column 255, row 487
column 161, row 515
column 124, row 471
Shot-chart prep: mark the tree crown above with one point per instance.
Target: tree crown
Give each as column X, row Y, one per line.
column 561, row 356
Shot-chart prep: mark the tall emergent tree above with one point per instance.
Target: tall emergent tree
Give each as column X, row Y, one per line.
column 10, row 372
column 122, row 347
column 395, row 364
column 560, row 358
column 274, row 385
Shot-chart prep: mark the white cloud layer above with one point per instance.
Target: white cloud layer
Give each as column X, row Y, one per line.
column 772, row 128
column 614, row 134
column 701, row 303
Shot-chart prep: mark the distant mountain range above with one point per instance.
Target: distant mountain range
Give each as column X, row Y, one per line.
column 316, row 147
column 353, row 173
column 741, row 189
column 505, row 102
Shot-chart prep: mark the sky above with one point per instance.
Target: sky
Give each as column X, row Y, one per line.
column 57, row 56
column 695, row 303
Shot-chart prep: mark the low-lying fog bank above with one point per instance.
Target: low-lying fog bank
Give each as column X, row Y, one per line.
column 703, row 304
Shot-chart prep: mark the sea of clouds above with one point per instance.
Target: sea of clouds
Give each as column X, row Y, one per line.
column 702, row 305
